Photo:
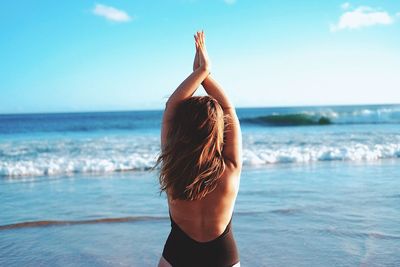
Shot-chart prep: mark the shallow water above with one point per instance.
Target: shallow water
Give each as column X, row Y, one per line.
column 74, row 190
column 33, row 145
column 320, row 214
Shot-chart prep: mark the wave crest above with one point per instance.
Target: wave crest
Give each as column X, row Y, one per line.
column 290, row 120
column 326, row 116
column 253, row 155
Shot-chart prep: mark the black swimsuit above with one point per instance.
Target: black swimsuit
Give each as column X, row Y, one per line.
column 181, row 250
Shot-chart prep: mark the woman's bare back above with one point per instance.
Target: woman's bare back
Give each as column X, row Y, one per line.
column 206, row 219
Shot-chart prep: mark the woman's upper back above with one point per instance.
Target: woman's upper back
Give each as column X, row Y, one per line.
column 205, row 219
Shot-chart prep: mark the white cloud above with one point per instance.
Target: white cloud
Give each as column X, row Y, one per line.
column 345, row 5
column 111, row 13
column 230, row 2
column 362, row 17
column 398, row 14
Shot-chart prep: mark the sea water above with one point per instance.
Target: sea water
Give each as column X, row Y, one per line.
column 76, row 189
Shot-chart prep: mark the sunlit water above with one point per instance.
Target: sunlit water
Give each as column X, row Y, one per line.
column 325, row 214
column 75, row 189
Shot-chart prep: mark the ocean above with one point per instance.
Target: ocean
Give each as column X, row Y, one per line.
column 320, row 186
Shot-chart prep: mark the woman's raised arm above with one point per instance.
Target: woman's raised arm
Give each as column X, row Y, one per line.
column 184, row 91
column 232, row 150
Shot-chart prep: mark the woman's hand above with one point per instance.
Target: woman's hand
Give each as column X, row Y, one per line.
column 201, row 52
column 196, row 64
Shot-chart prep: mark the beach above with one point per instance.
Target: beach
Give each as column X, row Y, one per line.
column 77, row 189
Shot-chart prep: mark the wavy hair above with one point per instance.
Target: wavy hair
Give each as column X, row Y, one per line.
column 191, row 160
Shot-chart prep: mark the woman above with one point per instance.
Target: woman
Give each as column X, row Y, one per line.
column 200, row 170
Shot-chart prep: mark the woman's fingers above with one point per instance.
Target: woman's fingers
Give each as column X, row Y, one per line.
column 200, row 39
column 196, row 42
column 201, row 57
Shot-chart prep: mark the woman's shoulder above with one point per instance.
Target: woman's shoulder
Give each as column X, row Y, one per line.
column 230, row 178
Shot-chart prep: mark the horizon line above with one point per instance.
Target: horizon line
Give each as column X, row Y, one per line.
column 154, row 109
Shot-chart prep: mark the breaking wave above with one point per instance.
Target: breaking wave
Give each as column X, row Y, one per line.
column 326, row 116
column 50, row 157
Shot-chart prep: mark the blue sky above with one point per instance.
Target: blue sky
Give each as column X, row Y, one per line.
column 128, row 55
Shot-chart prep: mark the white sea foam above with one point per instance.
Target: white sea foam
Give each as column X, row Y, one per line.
column 104, row 155
column 58, row 157
column 366, row 115
column 356, row 152
column 359, row 116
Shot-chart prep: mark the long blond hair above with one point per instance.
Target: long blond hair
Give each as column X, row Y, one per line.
column 191, row 160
